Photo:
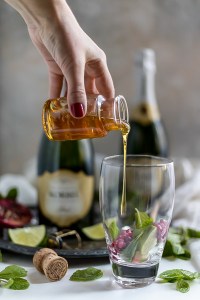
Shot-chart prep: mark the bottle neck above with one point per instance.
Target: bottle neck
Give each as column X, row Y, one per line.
column 145, row 109
column 145, row 83
column 113, row 113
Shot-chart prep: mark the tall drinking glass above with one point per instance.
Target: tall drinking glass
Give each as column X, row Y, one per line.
column 136, row 207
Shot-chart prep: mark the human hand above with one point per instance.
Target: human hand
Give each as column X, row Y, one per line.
column 69, row 52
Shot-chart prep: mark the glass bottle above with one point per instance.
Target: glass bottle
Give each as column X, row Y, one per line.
column 65, row 183
column 147, row 133
column 103, row 115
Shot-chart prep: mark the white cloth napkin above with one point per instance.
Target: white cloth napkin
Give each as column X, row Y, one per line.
column 187, row 203
column 27, row 193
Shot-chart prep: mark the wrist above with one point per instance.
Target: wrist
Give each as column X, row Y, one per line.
column 39, row 12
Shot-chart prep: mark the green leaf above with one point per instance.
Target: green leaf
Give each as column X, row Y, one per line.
column 174, row 247
column 129, row 252
column 1, row 256
column 19, row 284
column 13, row 271
column 7, row 284
column 182, row 286
column 192, row 233
column 12, row 194
column 142, row 219
column 171, row 275
column 86, row 274
column 185, row 256
column 168, row 250
column 177, row 274
column 114, row 230
column 147, row 241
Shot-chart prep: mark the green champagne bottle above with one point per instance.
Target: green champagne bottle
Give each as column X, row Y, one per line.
column 65, row 183
column 147, row 134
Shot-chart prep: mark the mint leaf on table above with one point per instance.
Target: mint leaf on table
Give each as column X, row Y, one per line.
column 19, row 284
column 142, row 219
column 10, row 278
column 192, row 233
column 181, row 277
column 182, row 286
column 175, row 244
column 87, row 274
column 177, row 274
column 7, row 283
column 13, row 271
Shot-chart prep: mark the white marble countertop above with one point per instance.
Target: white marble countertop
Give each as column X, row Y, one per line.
column 104, row 288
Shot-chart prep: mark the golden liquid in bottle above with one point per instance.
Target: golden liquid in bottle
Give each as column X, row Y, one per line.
column 125, row 131
column 59, row 125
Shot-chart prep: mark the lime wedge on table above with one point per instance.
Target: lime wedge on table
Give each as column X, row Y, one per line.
column 28, row 236
column 94, row 232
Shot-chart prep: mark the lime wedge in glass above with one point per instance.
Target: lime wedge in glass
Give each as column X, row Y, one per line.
column 28, row 236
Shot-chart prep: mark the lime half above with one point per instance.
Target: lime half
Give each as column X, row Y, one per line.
column 28, row 236
column 94, row 232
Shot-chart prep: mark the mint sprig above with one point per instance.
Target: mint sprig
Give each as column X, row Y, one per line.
column 87, row 274
column 181, row 277
column 10, row 278
column 176, row 243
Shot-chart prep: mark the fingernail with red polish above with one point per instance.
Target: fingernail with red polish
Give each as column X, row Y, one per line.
column 77, row 110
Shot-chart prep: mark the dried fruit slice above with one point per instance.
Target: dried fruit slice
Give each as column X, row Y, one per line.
column 13, row 214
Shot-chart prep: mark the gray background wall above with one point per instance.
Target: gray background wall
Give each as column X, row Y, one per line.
column 170, row 27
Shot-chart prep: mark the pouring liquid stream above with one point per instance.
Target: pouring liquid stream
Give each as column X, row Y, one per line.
column 125, row 131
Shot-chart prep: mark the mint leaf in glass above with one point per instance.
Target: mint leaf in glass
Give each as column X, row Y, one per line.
column 182, row 286
column 142, row 219
column 113, row 229
column 87, row 274
column 147, row 241
column 129, row 252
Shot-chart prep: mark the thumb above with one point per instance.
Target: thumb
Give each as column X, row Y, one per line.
column 76, row 95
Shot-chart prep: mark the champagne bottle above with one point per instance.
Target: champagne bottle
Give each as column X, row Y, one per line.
column 65, row 183
column 147, row 134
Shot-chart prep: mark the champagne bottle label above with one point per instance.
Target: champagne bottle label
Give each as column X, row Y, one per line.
column 145, row 113
column 64, row 196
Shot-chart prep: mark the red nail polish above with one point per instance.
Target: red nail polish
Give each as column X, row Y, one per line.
column 77, row 110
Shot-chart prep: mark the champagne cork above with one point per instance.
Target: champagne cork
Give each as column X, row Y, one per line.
column 47, row 262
